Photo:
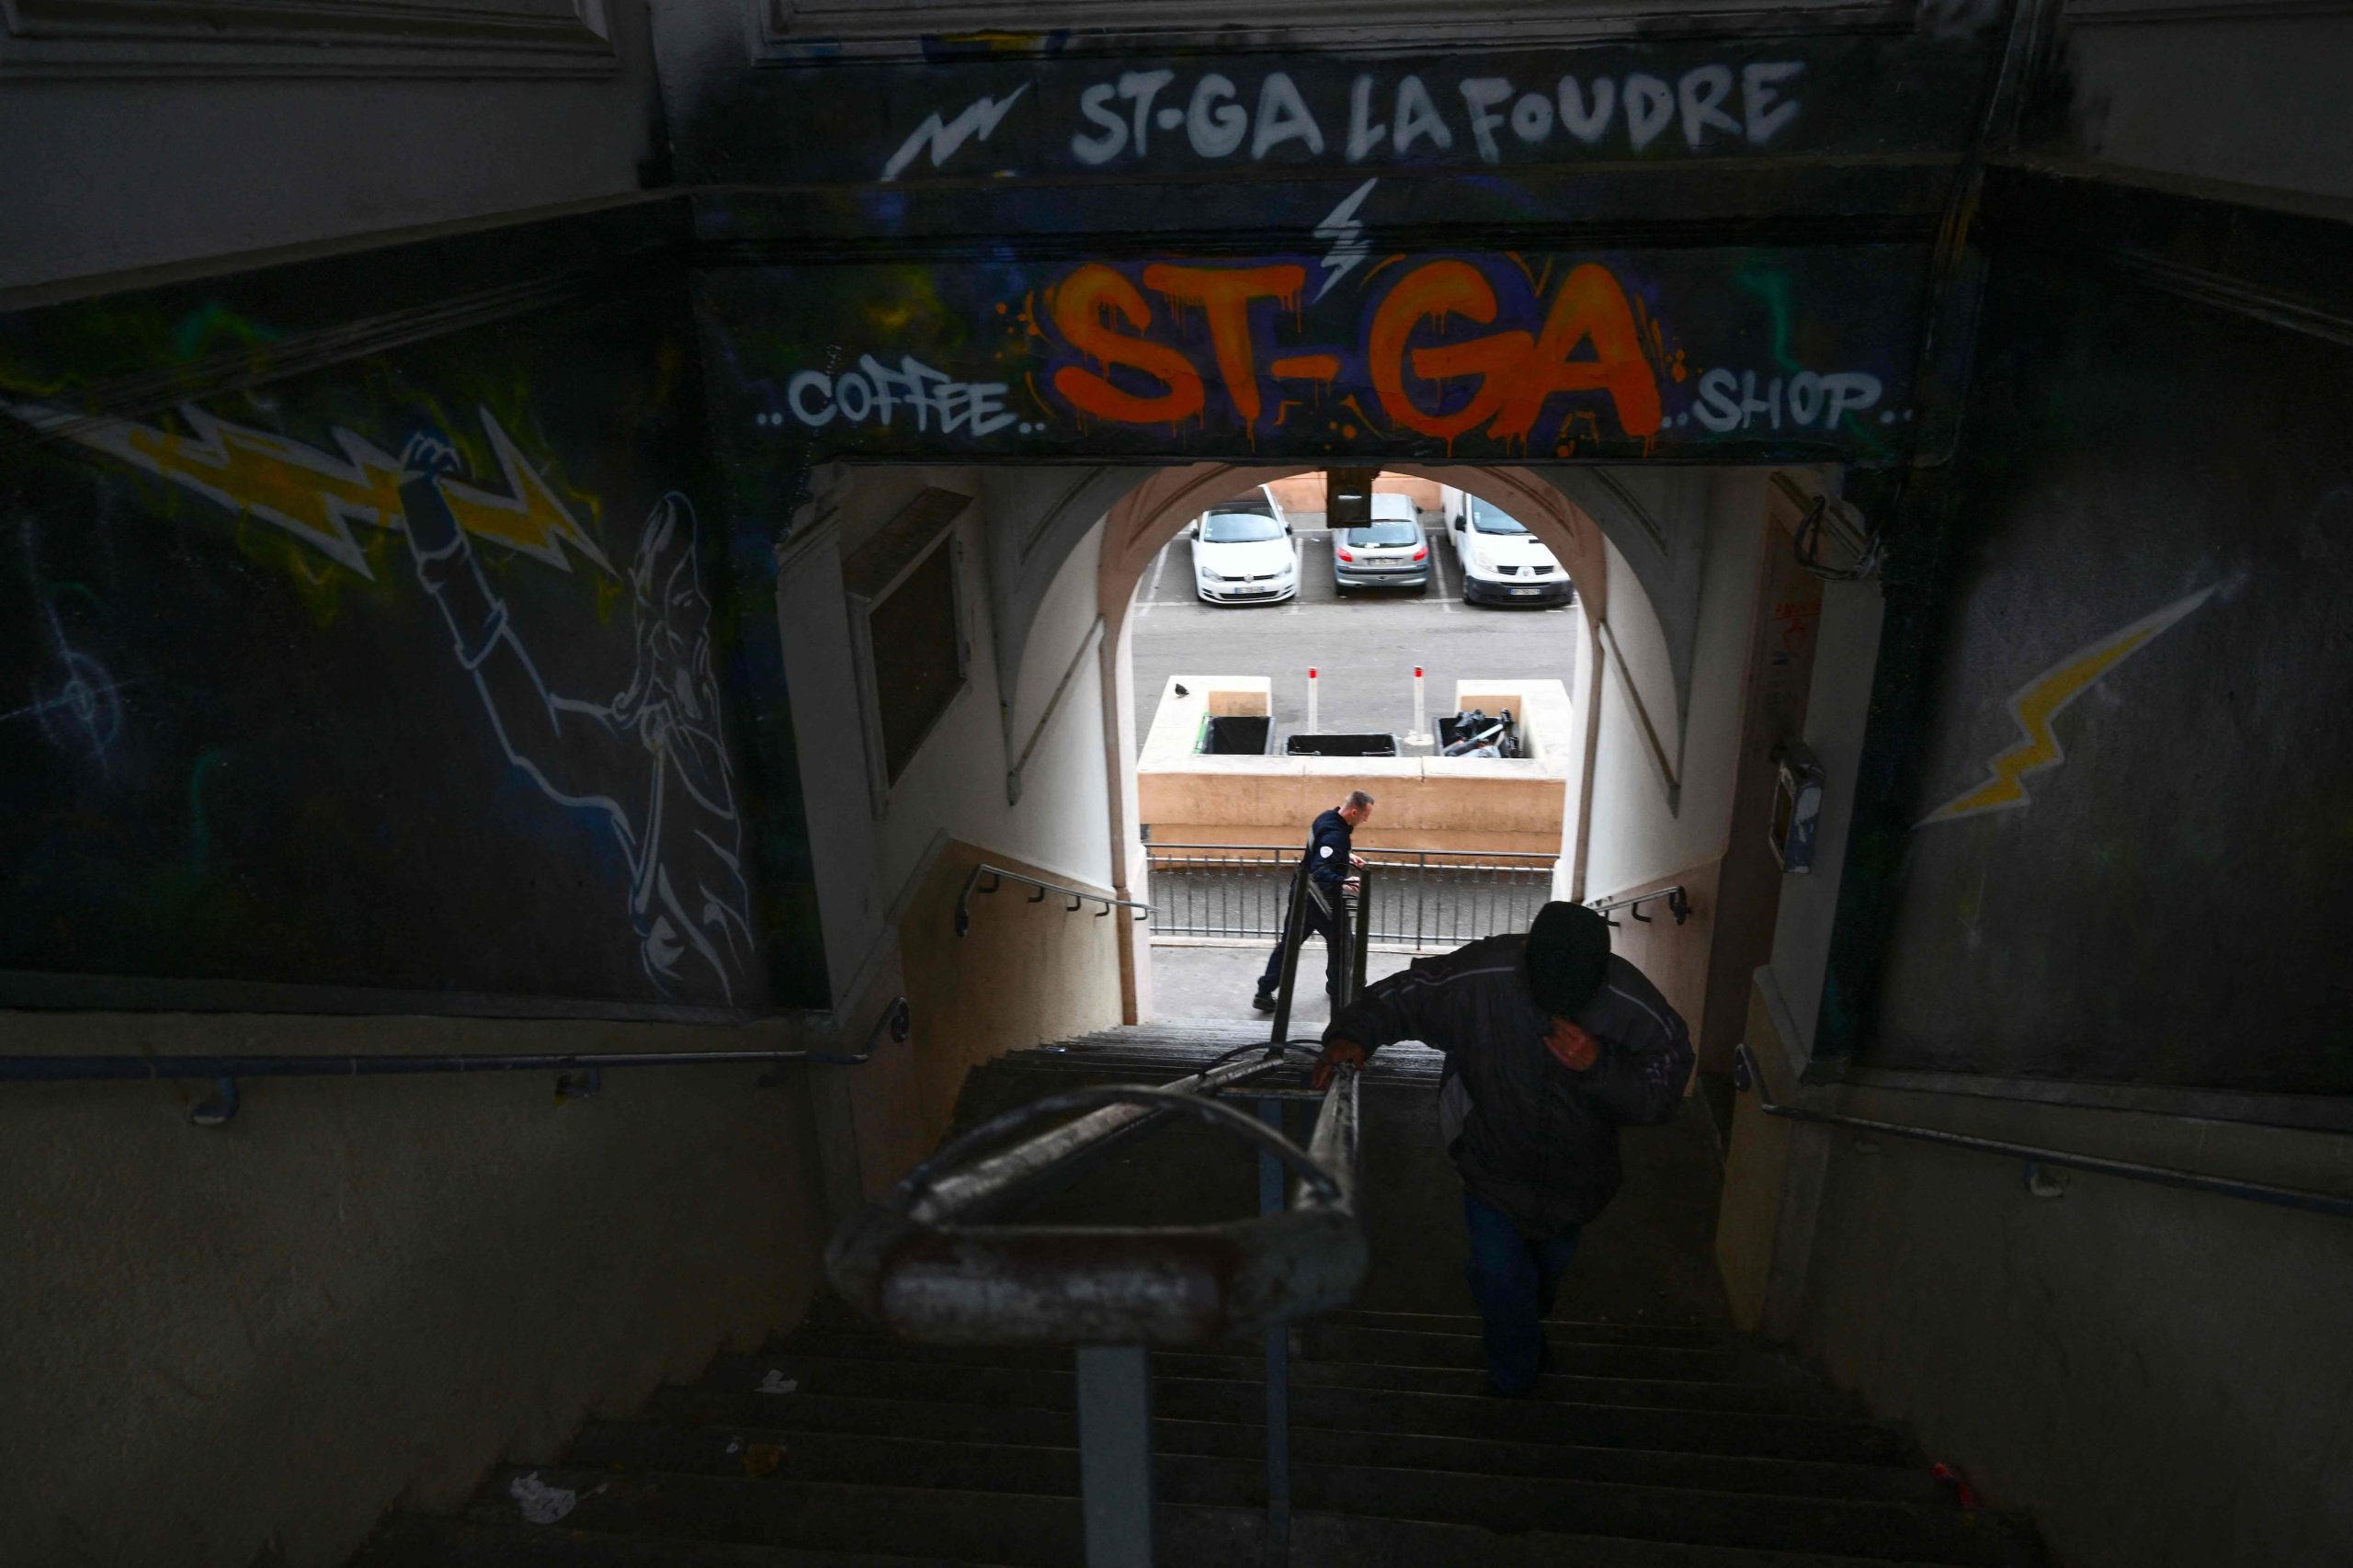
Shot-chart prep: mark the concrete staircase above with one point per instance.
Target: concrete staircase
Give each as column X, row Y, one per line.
column 1651, row 1444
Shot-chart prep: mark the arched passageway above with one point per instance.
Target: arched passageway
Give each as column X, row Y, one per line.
column 1144, row 522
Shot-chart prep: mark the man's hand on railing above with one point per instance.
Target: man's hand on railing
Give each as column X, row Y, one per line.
column 1337, row 1053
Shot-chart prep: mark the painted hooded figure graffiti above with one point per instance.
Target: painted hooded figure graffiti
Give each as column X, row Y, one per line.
column 652, row 761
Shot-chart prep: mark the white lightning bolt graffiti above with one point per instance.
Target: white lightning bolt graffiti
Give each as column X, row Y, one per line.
column 2040, row 700
column 944, row 137
column 1350, row 245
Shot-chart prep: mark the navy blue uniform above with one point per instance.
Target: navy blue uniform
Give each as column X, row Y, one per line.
column 1328, row 867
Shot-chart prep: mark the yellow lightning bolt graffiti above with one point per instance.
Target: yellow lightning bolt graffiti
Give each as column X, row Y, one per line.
column 2040, row 700
column 317, row 496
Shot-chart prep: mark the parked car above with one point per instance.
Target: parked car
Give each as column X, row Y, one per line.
column 1388, row 552
column 1501, row 561
column 1242, row 552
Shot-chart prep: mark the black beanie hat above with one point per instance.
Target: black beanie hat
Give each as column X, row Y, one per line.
column 1568, row 953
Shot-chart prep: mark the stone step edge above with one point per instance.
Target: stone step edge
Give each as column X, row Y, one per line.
column 1626, row 1549
column 758, row 1432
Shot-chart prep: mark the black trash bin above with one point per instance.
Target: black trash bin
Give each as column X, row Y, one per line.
column 1235, row 734
column 1340, row 745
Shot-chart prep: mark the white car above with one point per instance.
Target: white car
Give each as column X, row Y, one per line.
column 1501, row 561
column 1242, row 552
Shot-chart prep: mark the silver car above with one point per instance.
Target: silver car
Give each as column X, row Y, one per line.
column 1388, row 552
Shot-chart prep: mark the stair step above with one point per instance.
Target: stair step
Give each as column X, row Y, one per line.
column 1935, row 1532
column 672, row 1446
column 1466, row 1326
column 1331, row 1541
column 1026, row 1529
column 418, row 1541
column 1335, row 1346
column 1776, row 1434
column 1585, row 1348
column 981, row 1527
column 848, row 1358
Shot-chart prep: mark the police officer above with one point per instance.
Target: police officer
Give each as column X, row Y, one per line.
column 1552, row 1043
column 1330, row 858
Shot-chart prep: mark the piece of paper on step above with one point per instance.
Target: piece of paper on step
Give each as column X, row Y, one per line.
column 777, row 1383
column 541, row 1504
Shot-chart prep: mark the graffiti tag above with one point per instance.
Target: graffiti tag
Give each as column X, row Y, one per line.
column 1213, row 118
column 874, row 393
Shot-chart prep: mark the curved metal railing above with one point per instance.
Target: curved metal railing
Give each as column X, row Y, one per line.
column 939, row 1258
column 931, row 1261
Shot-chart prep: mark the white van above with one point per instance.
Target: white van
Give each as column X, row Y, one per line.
column 1501, row 561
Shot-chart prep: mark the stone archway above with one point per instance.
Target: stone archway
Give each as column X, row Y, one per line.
column 1142, row 522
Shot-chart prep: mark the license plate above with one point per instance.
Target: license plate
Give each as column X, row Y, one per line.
column 1525, row 592
column 1249, row 593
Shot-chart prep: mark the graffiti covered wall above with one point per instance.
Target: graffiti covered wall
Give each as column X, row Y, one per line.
column 2115, row 845
column 1731, row 355
column 416, row 675
column 1044, row 246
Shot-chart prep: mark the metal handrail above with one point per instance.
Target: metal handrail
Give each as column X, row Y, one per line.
column 1279, row 850
column 1677, row 904
column 926, row 1261
column 919, row 1261
column 1080, row 897
column 1747, row 1076
column 1200, row 1107
column 225, row 1070
column 1012, row 1177
column 1424, row 896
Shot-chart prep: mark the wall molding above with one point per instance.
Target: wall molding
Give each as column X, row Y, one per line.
column 2140, row 13
column 1087, row 646
column 1652, row 748
column 2306, row 1113
column 2211, row 243
column 621, row 270
column 815, row 31
column 45, row 991
column 305, row 38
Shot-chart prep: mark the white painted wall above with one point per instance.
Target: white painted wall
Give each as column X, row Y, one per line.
column 107, row 174
column 1638, row 835
column 957, row 782
column 955, row 785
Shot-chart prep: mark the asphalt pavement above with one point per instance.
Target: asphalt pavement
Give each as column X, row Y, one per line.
column 1365, row 642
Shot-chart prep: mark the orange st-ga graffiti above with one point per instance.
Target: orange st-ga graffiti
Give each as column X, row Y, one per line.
column 1130, row 363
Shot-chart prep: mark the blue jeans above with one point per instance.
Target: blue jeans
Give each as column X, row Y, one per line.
column 1513, row 1279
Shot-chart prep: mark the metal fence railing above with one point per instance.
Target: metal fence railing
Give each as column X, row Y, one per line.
column 1422, row 898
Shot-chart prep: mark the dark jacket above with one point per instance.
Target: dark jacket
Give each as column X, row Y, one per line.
column 1531, row 1138
column 1328, row 848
